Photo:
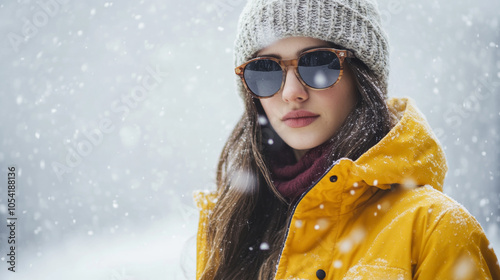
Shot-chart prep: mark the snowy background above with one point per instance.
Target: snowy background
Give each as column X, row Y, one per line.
column 115, row 112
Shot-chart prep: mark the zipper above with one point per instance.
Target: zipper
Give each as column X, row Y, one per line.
column 295, row 207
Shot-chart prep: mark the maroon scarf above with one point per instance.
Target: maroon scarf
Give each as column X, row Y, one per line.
column 292, row 178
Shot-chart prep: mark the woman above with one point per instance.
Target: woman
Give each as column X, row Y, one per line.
column 324, row 177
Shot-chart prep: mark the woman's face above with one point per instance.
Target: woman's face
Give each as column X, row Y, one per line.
column 315, row 114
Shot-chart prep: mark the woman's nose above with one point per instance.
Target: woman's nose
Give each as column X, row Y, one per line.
column 293, row 90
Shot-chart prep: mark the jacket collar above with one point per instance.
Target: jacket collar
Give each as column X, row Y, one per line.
column 409, row 156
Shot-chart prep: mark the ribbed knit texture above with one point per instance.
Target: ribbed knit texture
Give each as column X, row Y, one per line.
column 352, row 24
column 292, row 178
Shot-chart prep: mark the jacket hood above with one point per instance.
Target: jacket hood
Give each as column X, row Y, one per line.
column 410, row 154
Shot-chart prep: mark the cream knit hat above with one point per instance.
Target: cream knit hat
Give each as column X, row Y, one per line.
column 352, row 24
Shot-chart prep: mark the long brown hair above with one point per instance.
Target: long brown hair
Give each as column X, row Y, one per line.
column 246, row 228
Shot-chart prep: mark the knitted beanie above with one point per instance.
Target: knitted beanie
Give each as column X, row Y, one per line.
column 352, row 24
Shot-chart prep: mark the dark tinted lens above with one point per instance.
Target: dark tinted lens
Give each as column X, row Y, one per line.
column 319, row 69
column 263, row 77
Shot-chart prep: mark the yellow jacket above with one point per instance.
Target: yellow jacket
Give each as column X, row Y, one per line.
column 383, row 216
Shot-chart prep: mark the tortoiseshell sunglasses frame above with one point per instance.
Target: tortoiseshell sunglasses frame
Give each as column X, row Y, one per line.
column 284, row 64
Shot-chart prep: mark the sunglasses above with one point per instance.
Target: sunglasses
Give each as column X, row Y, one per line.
column 318, row 68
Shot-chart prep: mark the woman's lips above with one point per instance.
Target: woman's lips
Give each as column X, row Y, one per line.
column 299, row 118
